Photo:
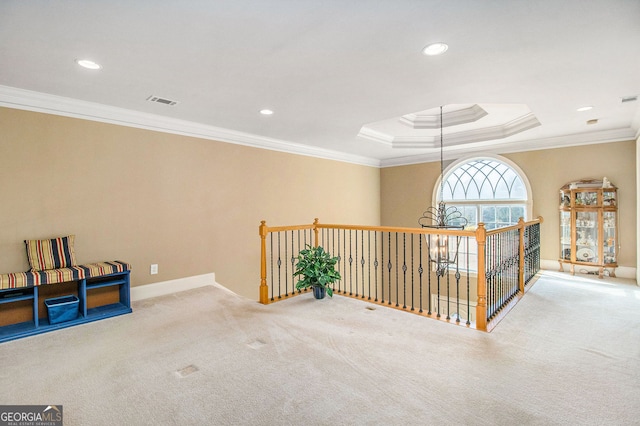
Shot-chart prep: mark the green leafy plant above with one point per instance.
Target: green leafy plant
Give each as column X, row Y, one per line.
column 317, row 269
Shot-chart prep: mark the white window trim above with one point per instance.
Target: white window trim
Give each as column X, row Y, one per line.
column 456, row 163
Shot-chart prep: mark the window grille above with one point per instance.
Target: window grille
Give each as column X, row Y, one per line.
column 484, row 179
column 486, row 190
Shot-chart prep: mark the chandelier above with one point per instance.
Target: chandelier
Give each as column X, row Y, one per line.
column 442, row 253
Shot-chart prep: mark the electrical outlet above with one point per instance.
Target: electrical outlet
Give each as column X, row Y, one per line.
column 154, row 269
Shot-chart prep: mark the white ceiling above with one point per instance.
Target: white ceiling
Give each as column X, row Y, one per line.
column 328, row 68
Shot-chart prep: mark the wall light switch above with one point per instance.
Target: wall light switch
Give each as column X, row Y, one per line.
column 154, row 269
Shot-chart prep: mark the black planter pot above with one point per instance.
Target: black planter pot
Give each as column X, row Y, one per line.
column 319, row 292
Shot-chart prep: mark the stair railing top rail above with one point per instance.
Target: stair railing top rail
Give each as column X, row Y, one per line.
column 518, row 225
column 264, row 229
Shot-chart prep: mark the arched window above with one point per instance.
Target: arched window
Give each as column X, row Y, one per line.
column 487, row 189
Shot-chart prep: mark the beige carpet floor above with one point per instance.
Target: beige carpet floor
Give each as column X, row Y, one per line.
column 568, row 354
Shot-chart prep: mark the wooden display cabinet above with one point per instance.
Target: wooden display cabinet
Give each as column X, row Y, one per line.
column 589, row 227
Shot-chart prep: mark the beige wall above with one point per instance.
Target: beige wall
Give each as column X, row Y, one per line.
column 548, row 170
column 406, row 190
column 406, row 193
column 192, row 206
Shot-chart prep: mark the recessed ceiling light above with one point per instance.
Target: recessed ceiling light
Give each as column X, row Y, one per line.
column 89, row 64
column 435, row 49
column 584, row 108
column 266, row 112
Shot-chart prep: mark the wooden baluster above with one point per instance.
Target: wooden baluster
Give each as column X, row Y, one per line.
column 481, row 307
column 316, row 241
column 521, row 230
column 264, row 290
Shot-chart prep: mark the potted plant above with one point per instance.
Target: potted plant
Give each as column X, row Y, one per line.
column 317, row 269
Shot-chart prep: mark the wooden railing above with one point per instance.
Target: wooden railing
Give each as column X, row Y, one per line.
column 390, row 266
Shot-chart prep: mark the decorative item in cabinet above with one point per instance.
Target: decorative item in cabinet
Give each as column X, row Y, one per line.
column 588, row 226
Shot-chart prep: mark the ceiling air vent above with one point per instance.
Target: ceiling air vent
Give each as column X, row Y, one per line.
column 160, row 100
column 629, row 99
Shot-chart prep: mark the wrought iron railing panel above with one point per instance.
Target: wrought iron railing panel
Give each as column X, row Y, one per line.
column 283, row 248
column 502, row 269
column 531, row 251
column 391, row 267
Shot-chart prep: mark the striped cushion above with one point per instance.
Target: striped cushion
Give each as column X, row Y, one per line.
column 61, row 275
column 92, row 270
column 51, row 254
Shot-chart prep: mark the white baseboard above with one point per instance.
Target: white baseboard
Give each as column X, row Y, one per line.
column 621, row 271
column 173, row 286
column 549, row 265
column 626, row 272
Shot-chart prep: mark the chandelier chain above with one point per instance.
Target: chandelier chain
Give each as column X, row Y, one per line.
column 441, row 160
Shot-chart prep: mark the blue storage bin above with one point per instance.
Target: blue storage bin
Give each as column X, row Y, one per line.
column 61, row 309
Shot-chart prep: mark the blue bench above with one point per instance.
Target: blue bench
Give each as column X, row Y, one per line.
column 53, row 262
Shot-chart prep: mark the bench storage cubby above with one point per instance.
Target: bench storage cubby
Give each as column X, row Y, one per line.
column 61, row 309
column 102, row 290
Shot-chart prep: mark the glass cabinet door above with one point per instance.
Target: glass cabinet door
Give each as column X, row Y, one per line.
column 586, row 198
column 565, row 235
column 586, row 246
column 608, row 198
column 610, row 237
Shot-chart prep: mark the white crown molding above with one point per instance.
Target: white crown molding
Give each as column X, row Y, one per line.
column 375, row 136
column 51, row 104
column 502, row 131
column 11, row 97
column 423, row 141
column 431, row 119
column 592, row 138
column 635, row 124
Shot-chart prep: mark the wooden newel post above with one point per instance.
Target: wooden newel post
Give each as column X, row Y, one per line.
column 522, row 226
column 481, row 307
column 316, row 240
column 264, row 290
